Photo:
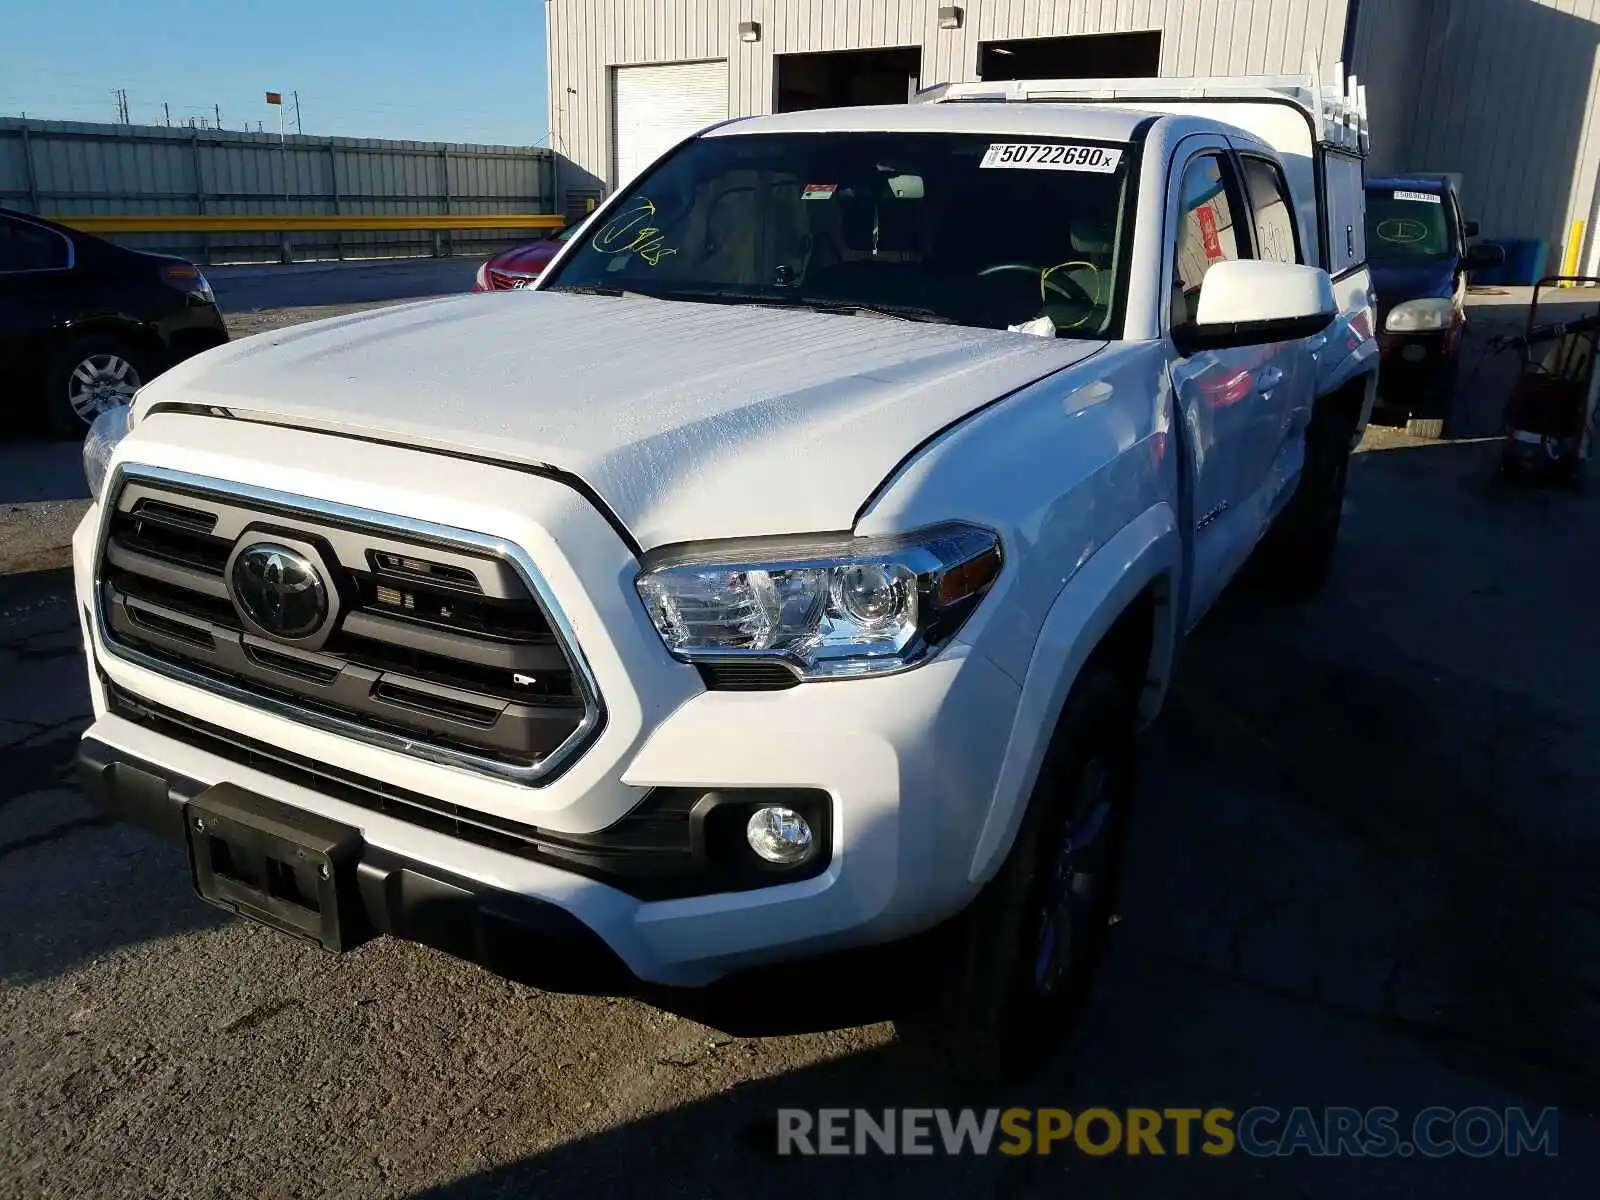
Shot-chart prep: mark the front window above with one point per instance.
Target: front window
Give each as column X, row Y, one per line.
column 979, row 230
column 1408, row 224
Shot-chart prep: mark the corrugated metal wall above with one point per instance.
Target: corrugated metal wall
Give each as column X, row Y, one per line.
column 1391, row 41
column 1504, row 92
column 587, row 37
column 66, row 168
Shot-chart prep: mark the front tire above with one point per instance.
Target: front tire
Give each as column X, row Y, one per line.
column 1015, row 967
column 89, row 375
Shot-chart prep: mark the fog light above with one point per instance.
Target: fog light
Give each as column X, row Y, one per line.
column 779, row 835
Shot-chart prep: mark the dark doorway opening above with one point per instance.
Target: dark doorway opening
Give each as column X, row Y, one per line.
column 1091, row 56
column 847, row 77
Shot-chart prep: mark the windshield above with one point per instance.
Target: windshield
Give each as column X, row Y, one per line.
column 956, row 228
column 1405, row 224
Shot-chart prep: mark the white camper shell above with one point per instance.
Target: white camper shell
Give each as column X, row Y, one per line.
column 1318, row 127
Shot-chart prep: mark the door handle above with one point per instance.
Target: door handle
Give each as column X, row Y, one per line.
column 1317, row 343
column 1268, row 378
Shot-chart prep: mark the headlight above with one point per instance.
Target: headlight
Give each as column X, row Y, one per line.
column 480, row 282
column 109, row 428
column 828, row 608
column 1420, row 316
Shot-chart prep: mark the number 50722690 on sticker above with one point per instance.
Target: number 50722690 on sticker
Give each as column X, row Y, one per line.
column 1057, row 156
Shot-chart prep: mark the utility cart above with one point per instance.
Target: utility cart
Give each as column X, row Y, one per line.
column 1550, row 416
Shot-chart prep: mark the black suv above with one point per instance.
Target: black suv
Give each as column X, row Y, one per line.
column 84, row 323
column 1417, row 250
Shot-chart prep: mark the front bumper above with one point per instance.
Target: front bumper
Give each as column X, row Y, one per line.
column 193, row 328
column 531, row 941
column 1417, row 372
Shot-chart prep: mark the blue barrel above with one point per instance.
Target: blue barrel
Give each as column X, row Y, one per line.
column 1525, row 260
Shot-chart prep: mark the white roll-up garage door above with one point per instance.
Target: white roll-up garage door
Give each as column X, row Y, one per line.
column 652, row 108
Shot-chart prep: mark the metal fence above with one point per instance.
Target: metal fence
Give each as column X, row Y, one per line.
column 61, row 168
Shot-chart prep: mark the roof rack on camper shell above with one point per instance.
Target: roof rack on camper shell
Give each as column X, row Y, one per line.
column 1338, row 110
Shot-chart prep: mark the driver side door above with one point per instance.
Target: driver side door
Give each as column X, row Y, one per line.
column 1232, row 400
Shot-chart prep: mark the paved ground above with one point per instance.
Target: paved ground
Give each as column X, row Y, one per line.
column 244, row 289
column 1364, row 874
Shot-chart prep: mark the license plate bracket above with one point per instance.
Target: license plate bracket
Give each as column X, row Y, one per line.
column 285, row 868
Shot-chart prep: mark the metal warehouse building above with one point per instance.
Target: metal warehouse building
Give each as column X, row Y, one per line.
column 1505, row 94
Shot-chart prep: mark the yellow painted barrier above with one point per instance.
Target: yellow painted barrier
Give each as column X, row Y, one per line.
column 299, row 224
column 1569, row 263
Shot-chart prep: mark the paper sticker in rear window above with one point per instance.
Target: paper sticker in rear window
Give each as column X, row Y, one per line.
column 1042, row 156
column 1425, row 197
column 818, row 191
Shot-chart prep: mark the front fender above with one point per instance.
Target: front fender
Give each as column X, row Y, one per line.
column 1149, row 549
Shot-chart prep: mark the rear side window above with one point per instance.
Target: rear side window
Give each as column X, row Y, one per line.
column 25, row 247
column 1207, row 231
column 1274, row 215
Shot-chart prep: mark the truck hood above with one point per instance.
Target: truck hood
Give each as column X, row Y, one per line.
column 690, row 421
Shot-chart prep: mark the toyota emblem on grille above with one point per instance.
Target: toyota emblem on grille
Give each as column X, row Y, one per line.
column 279, row 589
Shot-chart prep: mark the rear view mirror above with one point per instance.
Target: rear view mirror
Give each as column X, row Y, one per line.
column 906, row 187
column 1248, row 302
column 1484, row 255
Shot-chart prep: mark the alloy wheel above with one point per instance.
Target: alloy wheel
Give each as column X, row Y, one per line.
column 101, row 382
column 1075, row 884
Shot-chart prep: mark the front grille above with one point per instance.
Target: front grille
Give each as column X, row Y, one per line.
column 505, row 281
column 433, row 644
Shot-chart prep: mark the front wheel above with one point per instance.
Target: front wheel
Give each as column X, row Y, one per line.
column 1017, row 964
column 90, row 375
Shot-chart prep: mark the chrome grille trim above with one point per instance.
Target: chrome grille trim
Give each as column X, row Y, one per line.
column 443, row 537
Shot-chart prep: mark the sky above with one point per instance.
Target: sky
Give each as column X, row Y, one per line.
column 473, row 71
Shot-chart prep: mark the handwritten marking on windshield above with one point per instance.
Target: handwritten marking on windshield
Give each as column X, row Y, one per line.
column 630, row 232
column 1045, row 274
column 1402, row 230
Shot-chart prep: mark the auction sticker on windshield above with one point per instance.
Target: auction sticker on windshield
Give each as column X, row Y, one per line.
column 1038, row 156
column 1425, row 197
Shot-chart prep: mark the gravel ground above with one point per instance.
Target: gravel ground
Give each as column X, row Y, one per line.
column 1363, row 873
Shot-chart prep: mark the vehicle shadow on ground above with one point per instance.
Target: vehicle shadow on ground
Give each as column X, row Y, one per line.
column 1362, row 873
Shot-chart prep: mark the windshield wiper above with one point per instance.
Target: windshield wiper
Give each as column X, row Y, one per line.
column 596, row 289
column 585, row 289
column 899, row 312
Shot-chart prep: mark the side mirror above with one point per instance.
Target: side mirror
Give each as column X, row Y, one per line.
column 1248, row 302
column 1484, row 255
column 1470, row 229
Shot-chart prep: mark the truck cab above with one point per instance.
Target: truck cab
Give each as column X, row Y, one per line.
column 809, row 591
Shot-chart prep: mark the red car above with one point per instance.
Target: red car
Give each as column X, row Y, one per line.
column 520, row 265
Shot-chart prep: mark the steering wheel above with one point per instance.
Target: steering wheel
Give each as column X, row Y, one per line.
column 1048, row 282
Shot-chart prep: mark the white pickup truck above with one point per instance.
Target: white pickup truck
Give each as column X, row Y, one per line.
column 789, row 571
